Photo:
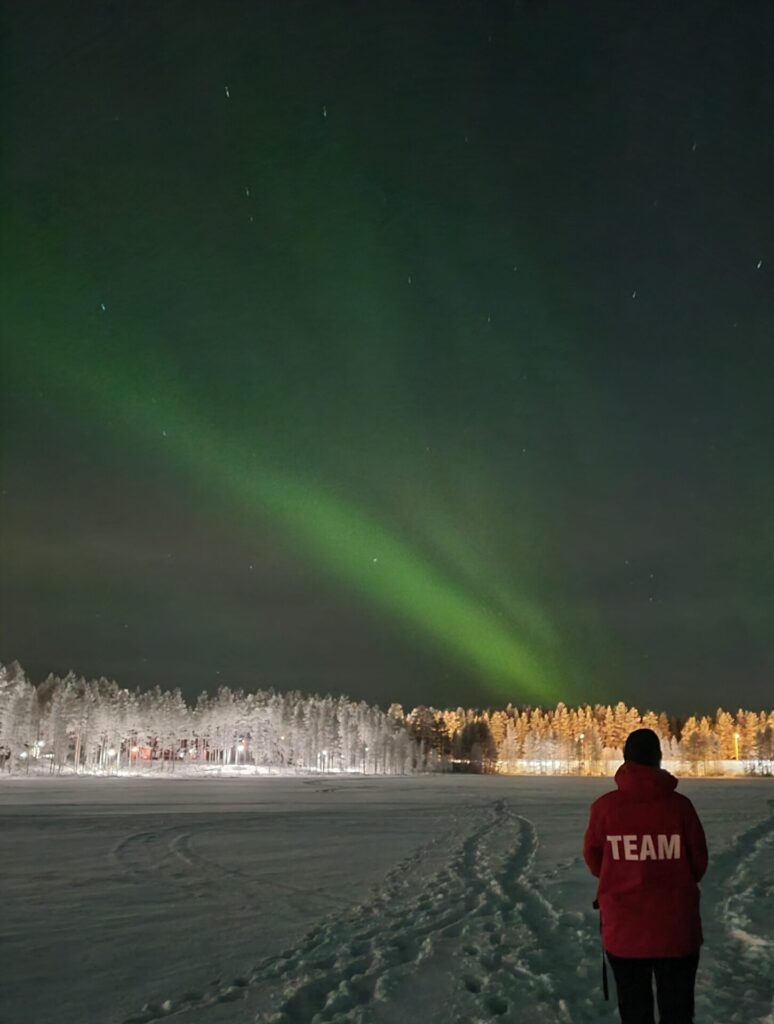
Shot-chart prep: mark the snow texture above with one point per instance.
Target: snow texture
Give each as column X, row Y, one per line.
column 330, row 899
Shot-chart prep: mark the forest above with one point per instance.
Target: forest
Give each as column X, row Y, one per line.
column 70, row 724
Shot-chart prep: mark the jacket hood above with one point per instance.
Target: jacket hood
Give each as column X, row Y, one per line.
column 643, row 782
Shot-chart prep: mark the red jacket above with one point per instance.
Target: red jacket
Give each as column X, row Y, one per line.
column 646, row 845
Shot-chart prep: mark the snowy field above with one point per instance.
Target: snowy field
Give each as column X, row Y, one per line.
column 436, row 899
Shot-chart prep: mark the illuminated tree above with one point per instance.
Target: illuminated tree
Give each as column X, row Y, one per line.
column 498, row 722
column 725, row 728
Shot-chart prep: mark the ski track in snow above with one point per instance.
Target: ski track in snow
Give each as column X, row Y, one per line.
column 739, row 891
column 479, row 932
column 479, row 939
column 167, row 854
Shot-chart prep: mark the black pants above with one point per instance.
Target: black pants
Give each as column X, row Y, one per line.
column 675, row 978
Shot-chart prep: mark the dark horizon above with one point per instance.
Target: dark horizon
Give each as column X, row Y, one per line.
column 415, row 352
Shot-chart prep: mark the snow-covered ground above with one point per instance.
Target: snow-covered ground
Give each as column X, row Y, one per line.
column 454, row 899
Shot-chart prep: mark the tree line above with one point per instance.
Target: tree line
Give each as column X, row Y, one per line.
column 586, row 739
column 70, row 723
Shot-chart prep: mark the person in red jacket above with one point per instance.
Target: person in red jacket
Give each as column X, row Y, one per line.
column 646, row 846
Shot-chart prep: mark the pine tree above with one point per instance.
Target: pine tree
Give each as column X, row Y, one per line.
column 725, row 730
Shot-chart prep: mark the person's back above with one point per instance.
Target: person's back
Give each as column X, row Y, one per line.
column 646, row 845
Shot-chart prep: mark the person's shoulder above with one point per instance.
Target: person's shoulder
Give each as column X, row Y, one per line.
column 681, row 798
column 605, row 800
column 684, row 806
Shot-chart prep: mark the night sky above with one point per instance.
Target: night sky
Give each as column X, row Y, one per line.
column 416, row 351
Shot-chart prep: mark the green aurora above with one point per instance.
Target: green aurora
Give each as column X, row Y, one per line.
column 497, row 632
column 422, row 358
